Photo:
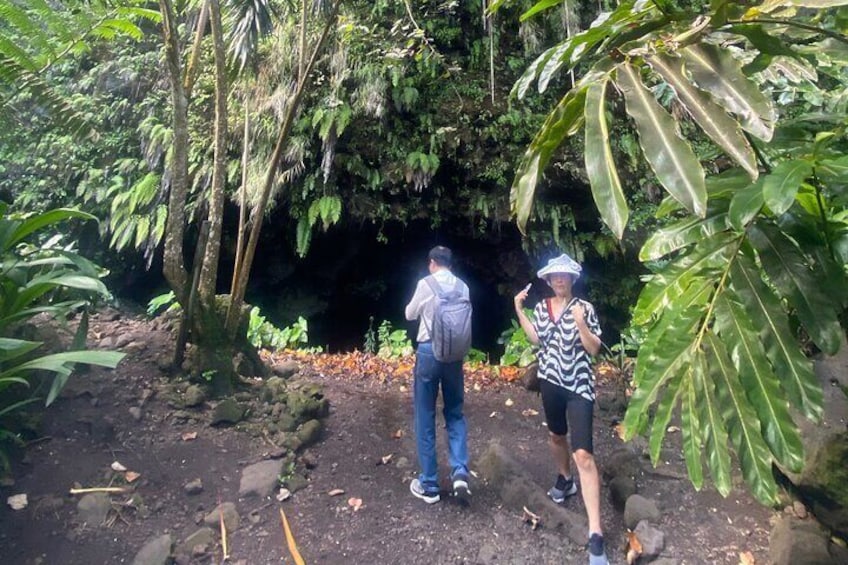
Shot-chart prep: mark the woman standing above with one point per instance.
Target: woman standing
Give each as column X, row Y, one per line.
column 567, row 332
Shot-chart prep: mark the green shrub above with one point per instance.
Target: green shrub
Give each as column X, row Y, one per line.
column 518, row 351
column 392, row 343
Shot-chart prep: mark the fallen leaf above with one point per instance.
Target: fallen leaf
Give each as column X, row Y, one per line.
column 619, row 430
column 118, row 467
column 284, row 494
column 509, row 402
column 398, row 434
column 529, row 412
column 131, row 476
column 385, row 459
column 477, row 387
column 336, row 492
column 532, row 518
column 672, row 429
column 746, row 558
column 355, row 503
column 493, row 414
column 634, row 547
column 188, row 436
column 17, row 501
column 403, row 388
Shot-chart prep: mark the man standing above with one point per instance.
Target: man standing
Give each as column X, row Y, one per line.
column 429, row 373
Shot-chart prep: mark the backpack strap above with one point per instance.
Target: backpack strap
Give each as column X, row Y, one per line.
column 565, row 308
column 434, row 285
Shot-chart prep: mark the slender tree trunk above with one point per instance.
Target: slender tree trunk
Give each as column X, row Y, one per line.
column 209, row 271
column 174, row 261
column 238, row 290
column 245, row 154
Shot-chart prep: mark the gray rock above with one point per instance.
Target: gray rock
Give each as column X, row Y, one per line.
column 798, row 542
column 651, row 538
column 122, row 340
column 621, row 488
column 285, row 369
column 156, row 551
column 202, row 537
column 107, row 343
column 296, row 483
column 231, row 516
column 622, row 462
column 93, row 508
column 309, row 433
column 260, row 479
column 135, row 412
column 194, row 396
column 638, row 508
column 306, row 401
column 402, row 463
column 193, row 487
column 516, row 489
column 228, row 411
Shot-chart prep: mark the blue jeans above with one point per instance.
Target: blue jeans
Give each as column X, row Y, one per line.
column 429, row 373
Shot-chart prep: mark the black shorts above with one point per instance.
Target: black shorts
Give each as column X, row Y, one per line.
column 565, row 409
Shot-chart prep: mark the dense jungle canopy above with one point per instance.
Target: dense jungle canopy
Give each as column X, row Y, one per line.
column 697, row 145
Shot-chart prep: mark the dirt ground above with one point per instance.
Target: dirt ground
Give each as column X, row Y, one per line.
column 91, row 426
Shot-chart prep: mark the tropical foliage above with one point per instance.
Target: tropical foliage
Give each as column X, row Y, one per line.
column 749, row 270
column 40, row 275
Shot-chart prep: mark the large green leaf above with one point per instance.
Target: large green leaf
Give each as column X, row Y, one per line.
column 600, row 167
column 699, row 267
column 792, row 367
column 816, row 3
column 681, row 234
column 665, row 352
column 539, row 7
column 25, row 227
column 746, row 204
column 793, row 277
column 668, row 400
column 741, row 421
column 712, row 118
column 716, row 71
column 672, row 160
column 781, row 185
column 564, row 121
column 759, row 381
column 690, row 428
column 712, row 428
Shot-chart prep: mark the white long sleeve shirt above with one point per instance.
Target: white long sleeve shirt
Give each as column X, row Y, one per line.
column 422, row 304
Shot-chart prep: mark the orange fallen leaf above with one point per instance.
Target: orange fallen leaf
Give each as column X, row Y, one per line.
column 619, row 430
column 355, row 503
column 131, row 476
column 529, row 412
column 634, row 547
column 398, row 434
column 188, row 436
column 746, row 558
column 336, row 492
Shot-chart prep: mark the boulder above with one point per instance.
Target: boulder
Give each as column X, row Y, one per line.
column 156, row 551
column 260, row 479
column 798, row 542
column 285, row 369
column 309, row 433
column 651, row 538
column 517, row 490
column 638, row 508
column 194, row 396
column 231, row 516
column 93, row 508
column 228, row 411
column 306, row 401
column 621, row 488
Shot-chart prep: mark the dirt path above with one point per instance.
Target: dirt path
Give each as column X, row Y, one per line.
column 92, row 426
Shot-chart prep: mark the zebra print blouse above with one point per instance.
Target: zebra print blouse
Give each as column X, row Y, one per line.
column 562, row 359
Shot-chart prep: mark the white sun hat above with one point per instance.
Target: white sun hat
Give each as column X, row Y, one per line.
column 562, row 264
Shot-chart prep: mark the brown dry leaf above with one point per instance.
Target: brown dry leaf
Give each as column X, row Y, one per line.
column 529, row 412
column 116, row 466
column 619, row 430
column 746, row 558
column 131, row 476
column 509, row 402
column 533, row 519
column 398, row 434
column 355, row 503
column 188, row 436
column 634, row 547
column 632, row 556
column 336, row 492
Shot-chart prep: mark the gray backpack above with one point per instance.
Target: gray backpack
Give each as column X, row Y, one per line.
column 451, row 331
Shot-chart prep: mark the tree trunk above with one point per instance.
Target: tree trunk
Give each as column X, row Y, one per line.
column 174, row 261
column 209, row 271
column 238, row 290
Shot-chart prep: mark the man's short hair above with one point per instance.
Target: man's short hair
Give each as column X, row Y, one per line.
column 441, row 255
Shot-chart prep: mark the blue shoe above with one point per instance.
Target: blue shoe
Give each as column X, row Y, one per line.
column 562, row 489
column 430, row 497
column 597, row 555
